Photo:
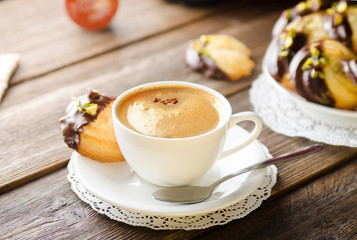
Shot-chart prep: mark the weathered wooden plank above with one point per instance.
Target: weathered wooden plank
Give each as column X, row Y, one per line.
column 57, row 213
column 47, row 39
column 34, row 146
column 323, row 209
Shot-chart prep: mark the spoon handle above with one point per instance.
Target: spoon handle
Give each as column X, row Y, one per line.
column 289, row 156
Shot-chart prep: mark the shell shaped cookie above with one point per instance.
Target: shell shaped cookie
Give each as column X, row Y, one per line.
column 220, row 56
column 88, row 128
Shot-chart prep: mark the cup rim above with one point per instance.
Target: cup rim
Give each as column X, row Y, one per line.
column 222, row 123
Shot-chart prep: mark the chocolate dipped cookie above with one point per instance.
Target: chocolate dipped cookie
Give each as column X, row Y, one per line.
column 88, row 128
column 220, row 56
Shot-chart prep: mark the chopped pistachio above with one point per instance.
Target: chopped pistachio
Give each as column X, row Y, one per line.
column 315, row 52
column 309, row 61
column 314, row 44
column 288, row 42
column 284, row 53
column 287, row 14
column 86, row 105
column 341, row 7
column 315, row 62
column 308, row 4
column 338, row 19
column 323, row 61
column 337, row 10
column 205, row 52
column 301, row 6
column 329, row 11
column 313, row 48
column 307, row 64
column 92, row 109
column 292, row 32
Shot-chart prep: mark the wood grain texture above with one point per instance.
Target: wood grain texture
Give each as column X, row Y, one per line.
column 47, row 39
column 34, row 147
column 322, row 209
column 57, row 213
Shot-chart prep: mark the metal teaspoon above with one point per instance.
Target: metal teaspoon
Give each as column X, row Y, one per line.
column 195, row 194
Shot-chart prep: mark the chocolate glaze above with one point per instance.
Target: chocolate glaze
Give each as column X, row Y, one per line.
column 349, row 67
column 272, row 60
column 202, row 63
column 294, row 14
column 313, row 89
column 341, row 32
column 284, row 20
column 278, row 65
column 73, row 123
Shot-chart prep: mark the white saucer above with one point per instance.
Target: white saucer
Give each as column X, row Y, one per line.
column 116, row 184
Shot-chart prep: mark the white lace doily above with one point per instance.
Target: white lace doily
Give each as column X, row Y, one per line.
column 284, row 115
column 191, row 222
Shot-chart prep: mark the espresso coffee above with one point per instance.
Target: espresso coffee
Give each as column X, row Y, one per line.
column 169, row 111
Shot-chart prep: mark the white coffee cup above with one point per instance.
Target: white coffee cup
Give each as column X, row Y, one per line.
column 180, row 161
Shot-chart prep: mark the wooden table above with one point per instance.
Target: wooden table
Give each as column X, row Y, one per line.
column 314, row 198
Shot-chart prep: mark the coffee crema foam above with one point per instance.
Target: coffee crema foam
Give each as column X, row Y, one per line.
column 169, row 111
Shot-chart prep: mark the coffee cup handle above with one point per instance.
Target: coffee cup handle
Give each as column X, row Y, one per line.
column 239, row 117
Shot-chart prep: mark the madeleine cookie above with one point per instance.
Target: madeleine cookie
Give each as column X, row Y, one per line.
column 220, row 56
column 325, row 72
column 88, row 128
